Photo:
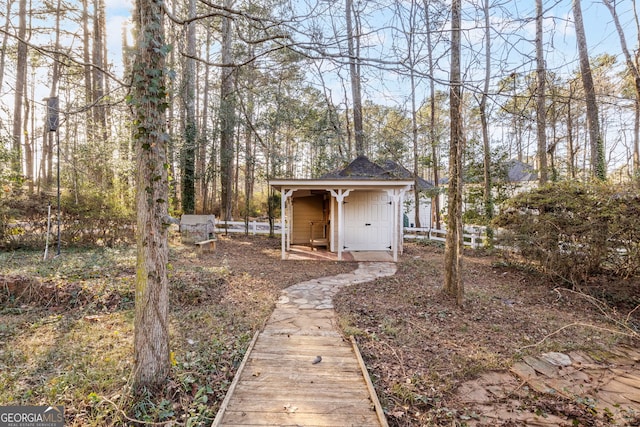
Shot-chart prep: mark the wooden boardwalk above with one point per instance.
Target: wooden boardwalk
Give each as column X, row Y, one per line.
column 283, row 382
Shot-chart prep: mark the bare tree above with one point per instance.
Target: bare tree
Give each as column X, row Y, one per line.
column 227, row 118
column 432, row 117
column 598, row 168
column 541, row 107
column 46, row 162
column 632, row 66
column 202, row 183
column 453, row 284
column 190, row 130
column 5, row 37
column 354, row 70
column 99, row 134
column 571, row 151
column 409, row 31
column 486, row 144
column 21, row 81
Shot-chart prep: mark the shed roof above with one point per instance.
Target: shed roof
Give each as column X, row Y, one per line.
column 360, row 168
column 400, row 171
column 360, row 173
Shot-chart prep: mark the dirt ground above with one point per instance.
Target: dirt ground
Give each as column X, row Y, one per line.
column 520, row 352
column 434, row 363
column 437, row 364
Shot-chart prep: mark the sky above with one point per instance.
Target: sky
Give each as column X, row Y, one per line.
column 118, row 12
column 601, row 33
column 559, row 34
column 602, row 37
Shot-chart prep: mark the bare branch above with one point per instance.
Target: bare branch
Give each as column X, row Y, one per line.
column 52, row 53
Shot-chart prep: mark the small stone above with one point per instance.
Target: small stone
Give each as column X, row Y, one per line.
column 558, row 359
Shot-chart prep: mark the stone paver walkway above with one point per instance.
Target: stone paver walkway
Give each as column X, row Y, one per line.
column 300, row 371
column 319, row 293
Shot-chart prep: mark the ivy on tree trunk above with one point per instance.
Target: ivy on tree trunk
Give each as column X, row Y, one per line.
column 149, row 102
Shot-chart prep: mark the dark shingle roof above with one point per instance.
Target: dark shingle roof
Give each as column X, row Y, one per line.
column 360, row 168
column 399, row 171
column 518, row 171
column 363, row 168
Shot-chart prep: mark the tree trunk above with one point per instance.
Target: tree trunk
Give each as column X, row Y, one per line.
column 236, row 173
column 541, row 108
column 227, row 119
column 174, row 185
column 636, row 141
column 5, row 38
column 598, row 168
column 201, row 162
column 488, row 196
column 21, row 79
column 633, row 69
column 571, row 163
column 28, row 147
column 414, row 114
column 48, row 140
column 249, row 162
column 453, row 285
column 432, row 120
column 354, row 69
column 86, row 52
column 88, row 80
column 99, row 132
column 414, row 137
column 190, row 132
column 149, row 101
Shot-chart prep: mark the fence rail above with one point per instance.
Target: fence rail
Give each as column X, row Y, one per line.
column 252, row 227
column 473, row 236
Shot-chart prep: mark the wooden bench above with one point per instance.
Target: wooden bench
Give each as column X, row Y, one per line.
column 318, row 234
column 206, row 246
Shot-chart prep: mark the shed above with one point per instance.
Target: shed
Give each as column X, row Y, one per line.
column 357, row 208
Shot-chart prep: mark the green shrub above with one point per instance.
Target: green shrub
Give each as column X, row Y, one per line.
column 573, row 230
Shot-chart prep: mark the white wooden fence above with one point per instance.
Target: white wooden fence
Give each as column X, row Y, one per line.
column 473, row 236
column 252, row 227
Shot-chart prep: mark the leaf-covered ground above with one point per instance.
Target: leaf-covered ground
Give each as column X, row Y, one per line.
column 421, row 348
column 66, row 328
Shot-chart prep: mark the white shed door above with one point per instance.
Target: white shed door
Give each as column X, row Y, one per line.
column 368, row 221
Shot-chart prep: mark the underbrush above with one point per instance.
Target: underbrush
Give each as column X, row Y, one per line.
column 66, row 335
column 29, row 221
column 574, row 231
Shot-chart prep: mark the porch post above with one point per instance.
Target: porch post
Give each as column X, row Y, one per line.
column 340, row 195
column 284, row 226
column 396, row 195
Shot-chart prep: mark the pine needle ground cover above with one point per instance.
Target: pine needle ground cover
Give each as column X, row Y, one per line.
column 66, row 327
column 66, row 331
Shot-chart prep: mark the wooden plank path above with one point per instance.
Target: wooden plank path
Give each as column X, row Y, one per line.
column 299, row 371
